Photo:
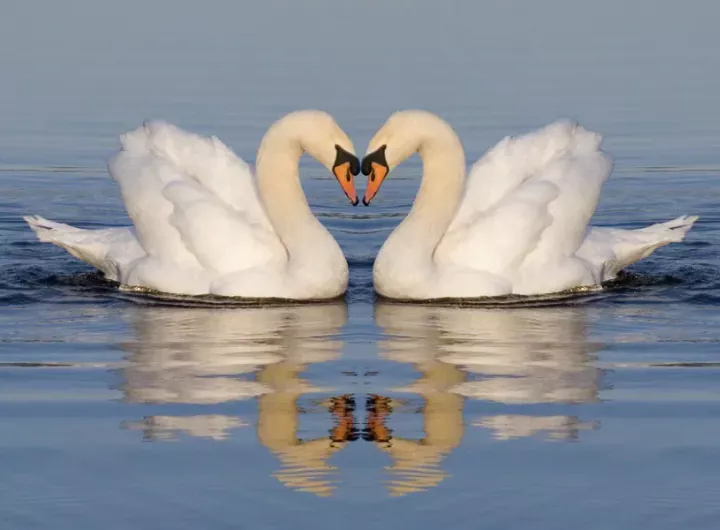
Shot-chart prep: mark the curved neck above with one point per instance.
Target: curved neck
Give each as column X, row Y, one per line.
column 440, row 191
column 282, row 195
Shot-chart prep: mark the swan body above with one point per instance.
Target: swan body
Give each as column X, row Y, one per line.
column 203, row 225
column 518, row 225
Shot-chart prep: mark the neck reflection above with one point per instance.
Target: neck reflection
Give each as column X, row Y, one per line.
column 520, row 358
column 532, row 364
column 204, row 356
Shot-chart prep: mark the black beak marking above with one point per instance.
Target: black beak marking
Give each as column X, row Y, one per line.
column 378, row 157
column 343, row 157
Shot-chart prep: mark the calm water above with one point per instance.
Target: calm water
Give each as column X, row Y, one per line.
column 118, row 411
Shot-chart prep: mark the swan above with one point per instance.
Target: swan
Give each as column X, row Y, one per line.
column 203, row 226
column 519, row 226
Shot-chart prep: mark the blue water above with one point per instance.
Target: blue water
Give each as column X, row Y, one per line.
column 119, row 411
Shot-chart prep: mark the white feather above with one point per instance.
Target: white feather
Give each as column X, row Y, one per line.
column 521, row 223
column 199, row 226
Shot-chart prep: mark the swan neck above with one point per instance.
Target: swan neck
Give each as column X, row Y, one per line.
column 443, row 177
column 441, row 187
column 405, row 264
column 282, row 195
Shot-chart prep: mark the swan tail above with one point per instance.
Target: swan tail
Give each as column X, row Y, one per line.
column 94, row 247
column 625, row 247
column 42, row 226
column 674, row 231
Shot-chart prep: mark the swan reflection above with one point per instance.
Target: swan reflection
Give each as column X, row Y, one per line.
column 509, row 426
column 515, row 357
column 518, row 356
column 523, row 355
column 210, row 356
column 163, row 428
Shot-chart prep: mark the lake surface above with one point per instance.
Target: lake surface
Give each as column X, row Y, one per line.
column 118, row 411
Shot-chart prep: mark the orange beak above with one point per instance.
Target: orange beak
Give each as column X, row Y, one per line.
column 345, row 178
column 345, row 167
column 375, row 166
column 378, row 172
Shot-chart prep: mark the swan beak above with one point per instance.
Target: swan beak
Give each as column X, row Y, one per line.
column 345, row 178
column 376, row 168
column 345, row 167
column 378, row 172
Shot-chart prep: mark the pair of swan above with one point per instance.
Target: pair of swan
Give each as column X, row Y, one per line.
column 516, row 225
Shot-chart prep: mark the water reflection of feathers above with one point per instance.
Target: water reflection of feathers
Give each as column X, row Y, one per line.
column 183, row 355
column 511, row 356
column 517, row 356
column 525, row 355
column 204, row 356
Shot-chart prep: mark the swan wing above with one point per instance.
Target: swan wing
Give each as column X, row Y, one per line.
column 192, row 201
column 528, row 200
column 499, row 239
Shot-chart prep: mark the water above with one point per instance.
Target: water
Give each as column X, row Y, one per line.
column 119, row 411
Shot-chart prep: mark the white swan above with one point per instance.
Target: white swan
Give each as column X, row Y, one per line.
column 199, row 227
column 520, row 227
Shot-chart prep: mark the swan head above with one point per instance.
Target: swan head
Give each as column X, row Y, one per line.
column 321, row 137
column 402, row 135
